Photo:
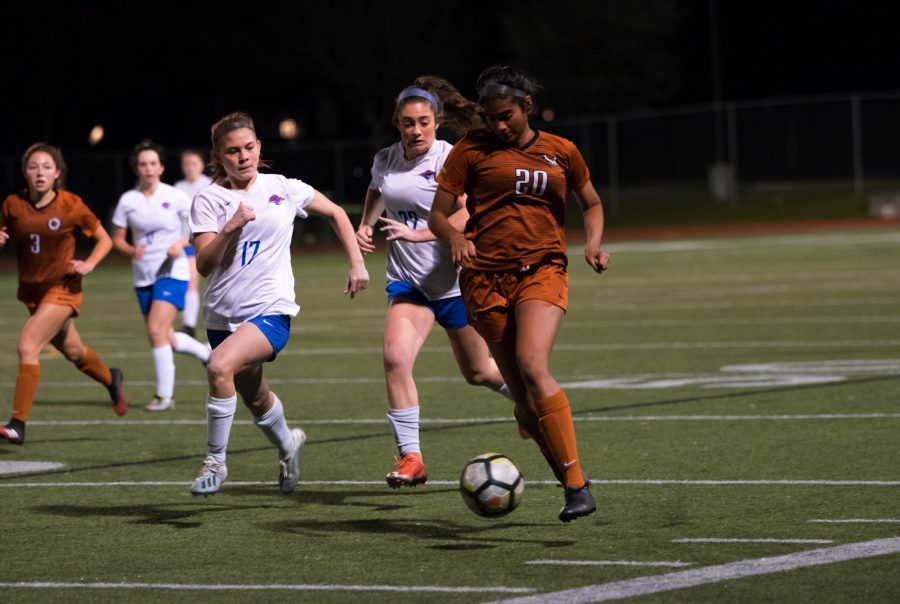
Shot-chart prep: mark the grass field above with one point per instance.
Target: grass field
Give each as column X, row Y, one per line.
column 736, row 403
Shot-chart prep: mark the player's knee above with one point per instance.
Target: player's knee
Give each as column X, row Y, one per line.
column 218, row 370
column 397, row 360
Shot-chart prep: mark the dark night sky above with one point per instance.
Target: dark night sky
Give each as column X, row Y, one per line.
column 167, row 70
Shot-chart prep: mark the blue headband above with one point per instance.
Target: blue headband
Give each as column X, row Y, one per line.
column 421, row 93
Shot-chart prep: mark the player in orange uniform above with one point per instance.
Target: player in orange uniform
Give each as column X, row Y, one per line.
column 42, row 220
column 513, row 255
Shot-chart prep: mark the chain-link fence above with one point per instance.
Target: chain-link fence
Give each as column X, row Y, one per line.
column 804, row 156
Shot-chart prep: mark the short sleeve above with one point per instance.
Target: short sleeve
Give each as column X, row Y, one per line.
column 379, row 165
column 300, row 194
column 203, row 217
column 87, row 221
column 120, row 215
column 577, row 173
column 455, row 173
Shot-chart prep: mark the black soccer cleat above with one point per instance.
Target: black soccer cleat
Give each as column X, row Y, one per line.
column 13, row 432
column 579, row 502
column 116, row 392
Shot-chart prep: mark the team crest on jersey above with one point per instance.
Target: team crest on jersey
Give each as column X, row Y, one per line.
column 166, row 205
column 276, row 200
column 550, row 159
column 428, row 175
column 53, row 223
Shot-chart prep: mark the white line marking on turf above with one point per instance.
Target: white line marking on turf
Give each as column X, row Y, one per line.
column 856, row 520
column 760, row 540
column 713, row 574
column 473, row 420
column 328, row 483
column 608, row 563
column 263, row 587
column 18, row 467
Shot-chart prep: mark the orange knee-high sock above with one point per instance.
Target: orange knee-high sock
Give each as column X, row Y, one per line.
column 530, row 425
column 92, row 366
column 556, row 423
column 26, row 388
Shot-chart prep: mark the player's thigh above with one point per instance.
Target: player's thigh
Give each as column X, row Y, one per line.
column 470, row 350
column 537, row 323
column 46, row 322
column 245, row 348
column 406, row 327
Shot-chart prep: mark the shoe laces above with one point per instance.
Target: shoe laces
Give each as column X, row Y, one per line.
column 210, row 466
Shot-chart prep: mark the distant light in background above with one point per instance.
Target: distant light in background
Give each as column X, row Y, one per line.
column 288, row 129
column 96, row 135
column 548, row 115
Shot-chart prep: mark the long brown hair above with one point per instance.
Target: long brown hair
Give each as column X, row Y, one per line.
column 455, row 111
column 232, row 121
column 53, row 152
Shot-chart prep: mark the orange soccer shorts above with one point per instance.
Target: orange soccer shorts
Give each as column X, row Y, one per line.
column 491, row 296
column 56, row 294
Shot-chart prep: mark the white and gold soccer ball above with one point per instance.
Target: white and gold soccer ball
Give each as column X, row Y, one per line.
column 491, row 484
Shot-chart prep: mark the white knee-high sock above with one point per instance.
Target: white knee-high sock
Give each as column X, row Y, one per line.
column 219, row 417
column 164, row 361
column 191, row 308
column 405, row 423
column 185, row 344
column 275, row 427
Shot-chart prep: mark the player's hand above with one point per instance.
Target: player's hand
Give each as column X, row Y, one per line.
column 175, row 250
column 462, row 249
column 357, row 280
column 138, row 252
column 364, row 239
column 242, row 215
column 4, row 236
column 399, row 230
column 81, row 267
column 597, row 259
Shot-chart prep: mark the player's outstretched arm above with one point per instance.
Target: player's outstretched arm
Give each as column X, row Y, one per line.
column 372, row 209
column 358, row 279
column 462, row 249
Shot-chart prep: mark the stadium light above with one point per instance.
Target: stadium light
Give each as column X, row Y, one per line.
column 96, row 135
column 548, row 115
column 288, row 129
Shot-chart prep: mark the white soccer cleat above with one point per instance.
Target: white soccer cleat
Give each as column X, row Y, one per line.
column 209, row 481
column 289, row 467
column 160, row 404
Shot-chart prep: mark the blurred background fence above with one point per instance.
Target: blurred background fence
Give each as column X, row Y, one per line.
column 780, row 158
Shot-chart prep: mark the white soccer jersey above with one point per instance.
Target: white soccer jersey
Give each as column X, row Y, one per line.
column 255, row 277
column 407, row 188
column 192, row 188
column 156, row 222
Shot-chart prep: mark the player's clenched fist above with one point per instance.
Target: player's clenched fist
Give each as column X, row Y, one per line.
column 242, row 216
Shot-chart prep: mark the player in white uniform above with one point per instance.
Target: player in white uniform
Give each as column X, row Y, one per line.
column 242, row 227
column 156, row 214
column 193, row 182
column 422, row 280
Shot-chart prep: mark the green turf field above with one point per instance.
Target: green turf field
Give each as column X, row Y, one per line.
column 736, row 403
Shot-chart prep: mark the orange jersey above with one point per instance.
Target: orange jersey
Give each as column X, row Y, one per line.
column 45, row 241
column 516, row 197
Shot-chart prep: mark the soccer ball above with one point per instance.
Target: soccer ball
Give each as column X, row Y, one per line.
column 491, row 485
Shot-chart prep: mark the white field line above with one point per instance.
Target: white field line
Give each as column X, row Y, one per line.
column 757, row 540
column 713, row 574
column 609, row 563
column 627, row 346
column 474, row 420
column 856, row 520
column 263, row 587
column 341, row 483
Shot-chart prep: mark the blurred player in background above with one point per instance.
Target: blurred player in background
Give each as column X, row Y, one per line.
column 42, row 221
column 242, row 227
column 156, row 214
column 193, row 182
column 422, row 284
column 514, row 259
